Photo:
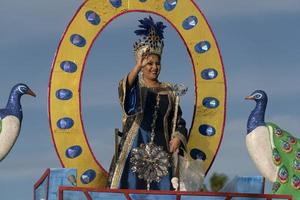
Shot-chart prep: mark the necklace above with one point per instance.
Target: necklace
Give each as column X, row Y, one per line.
column 150, row 161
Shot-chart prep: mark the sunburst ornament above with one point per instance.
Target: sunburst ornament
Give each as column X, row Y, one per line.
column 150, row 162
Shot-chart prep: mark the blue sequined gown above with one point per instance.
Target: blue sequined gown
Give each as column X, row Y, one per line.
column 138, row 105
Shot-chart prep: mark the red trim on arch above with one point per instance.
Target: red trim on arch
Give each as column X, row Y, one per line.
column 85, row 59
column 225, row 85
column 79, row 90
column 113, row 18
column 50, row 79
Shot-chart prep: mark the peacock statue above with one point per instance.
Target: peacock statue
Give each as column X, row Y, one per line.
column 11, row 118
column 275, row 152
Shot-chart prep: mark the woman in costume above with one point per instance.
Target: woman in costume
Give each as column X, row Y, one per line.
column 144, row 160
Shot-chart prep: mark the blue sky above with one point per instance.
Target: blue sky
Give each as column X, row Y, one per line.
column 259, row 43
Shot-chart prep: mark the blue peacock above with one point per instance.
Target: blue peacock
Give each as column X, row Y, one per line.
column 275, row 152
column 11, row 118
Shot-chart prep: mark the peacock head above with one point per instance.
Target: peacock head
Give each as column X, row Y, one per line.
column 21, row 89
column 258, row 96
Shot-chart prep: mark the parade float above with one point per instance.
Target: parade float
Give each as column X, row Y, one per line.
column 81, row 175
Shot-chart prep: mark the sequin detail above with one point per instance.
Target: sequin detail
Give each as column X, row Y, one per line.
column 292, row 140
column 278, row 132
column 298, row 154
column 296, row 165
column 276, row 157
column 286, row 147
column 283, row 174
column 295, row 182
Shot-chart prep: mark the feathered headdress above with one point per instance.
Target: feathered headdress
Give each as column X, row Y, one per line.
column 151, row 37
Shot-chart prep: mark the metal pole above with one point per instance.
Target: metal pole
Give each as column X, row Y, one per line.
column 116, row 145
column 179, row 90
column 175, row 154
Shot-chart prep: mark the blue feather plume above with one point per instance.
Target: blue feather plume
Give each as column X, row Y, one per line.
column 147, row 24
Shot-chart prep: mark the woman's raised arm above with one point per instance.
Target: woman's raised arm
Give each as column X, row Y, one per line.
column 141, row 61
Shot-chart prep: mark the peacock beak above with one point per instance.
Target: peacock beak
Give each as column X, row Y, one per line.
column 249, row 98
column 29, row 92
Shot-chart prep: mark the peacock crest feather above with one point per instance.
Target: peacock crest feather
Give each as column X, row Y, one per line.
column 148, row 26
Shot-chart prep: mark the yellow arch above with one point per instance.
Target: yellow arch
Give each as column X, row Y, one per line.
column 65, row 82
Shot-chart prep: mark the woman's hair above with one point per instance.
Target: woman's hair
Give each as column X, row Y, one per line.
column 158, row 55
column 150, row 53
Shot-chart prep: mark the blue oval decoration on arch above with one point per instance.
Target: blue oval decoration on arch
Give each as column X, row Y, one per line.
column 190, row 22
column 77, row 40
column 198, row 154
column 170, row 4
column 92, row 17
column 207, row 130
column 202, row 47
column 210, row 102
column 88, row 176
column 74, row 151
column 68, row 66
column 64, row 94
column 65, row 123
column 116, row 3
column 209, row 74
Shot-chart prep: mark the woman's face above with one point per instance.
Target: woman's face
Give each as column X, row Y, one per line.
column 152, row 69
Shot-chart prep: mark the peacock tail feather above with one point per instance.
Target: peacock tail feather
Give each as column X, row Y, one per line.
column 286, row 155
